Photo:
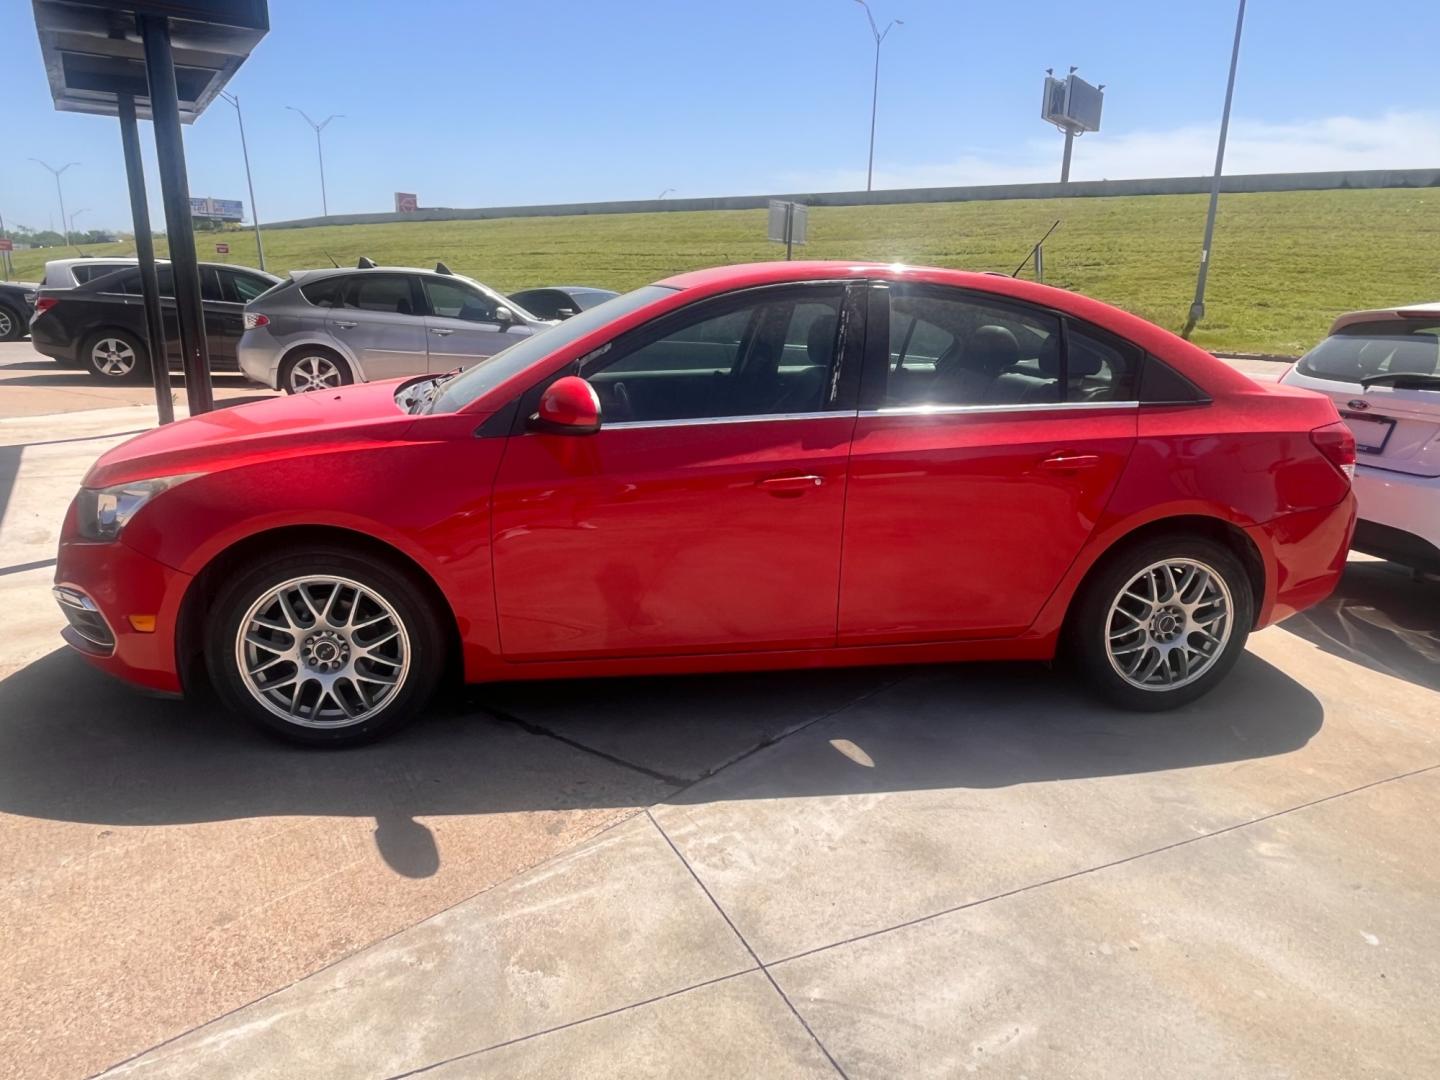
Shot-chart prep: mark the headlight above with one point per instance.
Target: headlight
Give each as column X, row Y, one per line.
column 104, row 512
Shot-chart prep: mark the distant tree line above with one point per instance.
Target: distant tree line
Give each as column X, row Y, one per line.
column 45, row 238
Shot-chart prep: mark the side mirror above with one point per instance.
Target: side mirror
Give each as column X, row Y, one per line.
column 504, row 316
column 569, row 406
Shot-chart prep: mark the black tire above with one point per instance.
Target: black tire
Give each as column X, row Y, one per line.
column 1091, row 624
column 13, row 326
column 396, row 587
column 316, row 359
column 115, row 356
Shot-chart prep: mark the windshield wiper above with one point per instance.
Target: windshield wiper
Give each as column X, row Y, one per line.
column 1400, row 377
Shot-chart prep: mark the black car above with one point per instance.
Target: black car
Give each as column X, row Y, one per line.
column 561, row 301
column 100, row 325
column 17, row 301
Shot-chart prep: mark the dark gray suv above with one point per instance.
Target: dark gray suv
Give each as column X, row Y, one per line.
column 326, row 328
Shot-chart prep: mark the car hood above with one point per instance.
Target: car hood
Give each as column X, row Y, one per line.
column 353, row 415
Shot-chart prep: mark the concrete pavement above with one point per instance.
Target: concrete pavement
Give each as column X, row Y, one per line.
column 889, row 872
column 35, row 385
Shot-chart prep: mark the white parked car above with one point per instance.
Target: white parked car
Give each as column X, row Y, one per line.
column 1382, row 368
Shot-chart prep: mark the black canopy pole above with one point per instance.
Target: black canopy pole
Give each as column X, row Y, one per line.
column 175, row 193
column 145, row 255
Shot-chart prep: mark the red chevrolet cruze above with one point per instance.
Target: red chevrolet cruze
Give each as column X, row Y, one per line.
column 772, row 466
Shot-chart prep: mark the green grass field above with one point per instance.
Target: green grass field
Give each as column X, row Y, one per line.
column 1283, row 264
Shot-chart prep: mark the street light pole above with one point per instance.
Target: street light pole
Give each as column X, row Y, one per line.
column 880, row 36
column 59, row 192
column 1197, row 308
column 319, row 151
column 77, row 213
column 254, row 210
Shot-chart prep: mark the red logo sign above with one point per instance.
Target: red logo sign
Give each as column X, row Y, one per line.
column 406, row 202
column 6, row 244
column 222, row 249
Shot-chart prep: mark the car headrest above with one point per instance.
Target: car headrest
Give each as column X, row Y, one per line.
column 821, row 340
column 993, row 349
column 1083, row 359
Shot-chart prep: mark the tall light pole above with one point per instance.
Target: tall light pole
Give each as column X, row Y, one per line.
column 319, row 151
column 875, row 90
column 59, row 192
column 254, row 210
column 76, row 213
column 1197, row 309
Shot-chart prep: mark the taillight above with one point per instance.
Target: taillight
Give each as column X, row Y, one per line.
column 1337, row 443
column 254, row 319
column 44, row 304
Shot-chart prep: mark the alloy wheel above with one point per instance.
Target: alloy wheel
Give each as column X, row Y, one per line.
column 113, row 357
column 322, row 652
column 1169, row 624
column 314, row 373
column 7, row 324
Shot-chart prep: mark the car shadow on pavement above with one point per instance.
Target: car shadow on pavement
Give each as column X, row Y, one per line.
column 1379, row 617
column 76, row 746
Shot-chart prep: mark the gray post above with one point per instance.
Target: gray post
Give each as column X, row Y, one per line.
column 254, row 210
column 1040, row 263
column 1197, row 308
column 1065, row 161
column 4, row 255
column 789, row 229
column 145, row 256
column 874, row 104
column 175, row 193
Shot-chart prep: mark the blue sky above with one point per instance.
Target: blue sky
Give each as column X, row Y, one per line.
column 475, row 103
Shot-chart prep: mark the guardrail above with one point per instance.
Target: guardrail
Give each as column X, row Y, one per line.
column 1076, row 189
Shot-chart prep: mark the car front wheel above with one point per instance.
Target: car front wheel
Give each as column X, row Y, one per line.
column 324, row 646
column 1162, row 623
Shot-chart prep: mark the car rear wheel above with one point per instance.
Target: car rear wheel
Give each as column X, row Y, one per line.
column 1162, row 622
column 324, row 646
column 113, row 356
column 313, row 369
column 12, row 326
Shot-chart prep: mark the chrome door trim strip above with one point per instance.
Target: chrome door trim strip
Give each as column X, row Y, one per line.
column 632, row 425
column 1043, row 406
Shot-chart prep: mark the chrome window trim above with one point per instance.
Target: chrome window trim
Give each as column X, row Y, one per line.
column 1036, row 406
column 752, row 419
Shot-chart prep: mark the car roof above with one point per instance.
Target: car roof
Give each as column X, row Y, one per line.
column 1405, row 311
column 124, row 261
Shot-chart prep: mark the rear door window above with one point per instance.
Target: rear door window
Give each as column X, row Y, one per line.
column 242, row 288
column 390, row 293
column 327, row 292
column 949, row 347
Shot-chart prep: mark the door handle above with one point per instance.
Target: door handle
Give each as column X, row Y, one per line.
column 345, row 325
column 439, row 332
column 789, row 485
column 1066, row 461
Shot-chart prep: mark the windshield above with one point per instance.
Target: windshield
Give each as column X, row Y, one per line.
column 488, row 374
column 1394, row 348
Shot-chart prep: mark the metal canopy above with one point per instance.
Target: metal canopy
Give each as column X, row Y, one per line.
column 93, row 53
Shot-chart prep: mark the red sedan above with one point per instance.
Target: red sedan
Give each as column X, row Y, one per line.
column 773, row 466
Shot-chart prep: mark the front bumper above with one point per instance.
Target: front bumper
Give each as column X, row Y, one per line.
column 100, row 587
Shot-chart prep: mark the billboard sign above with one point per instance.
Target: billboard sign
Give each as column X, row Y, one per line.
column 1072, row 104
column 406, row 202
column 6, row 244
column 218, row 209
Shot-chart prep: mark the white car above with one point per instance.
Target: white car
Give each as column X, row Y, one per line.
column 1382, row 368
